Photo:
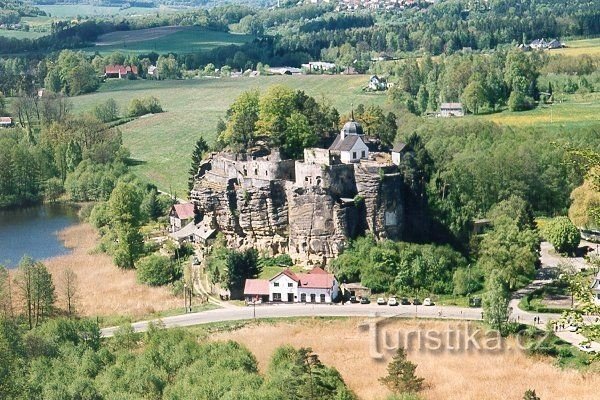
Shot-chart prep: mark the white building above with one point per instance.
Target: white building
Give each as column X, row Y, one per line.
column 181, row 215
column 397, row 151
column 316, row 286
column 452, row 110
column 349, row 143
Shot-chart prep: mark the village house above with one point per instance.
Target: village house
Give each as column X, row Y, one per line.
column 350, row 144
column 377, row 83
column 120, row 71
column 181, row 215
column 452, row 110
column 316, row 286
column 318, row 66
column 5, row 122
column 153, row 71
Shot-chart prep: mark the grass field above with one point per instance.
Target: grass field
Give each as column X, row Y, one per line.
column 165, row 39
column 579, row 47
column 449, row 375
column 21, row 34
column 163, row 143
column 574, row 111
column 87, row 10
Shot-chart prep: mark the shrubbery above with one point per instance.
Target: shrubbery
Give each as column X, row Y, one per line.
column 146, row 105
column 156, row 270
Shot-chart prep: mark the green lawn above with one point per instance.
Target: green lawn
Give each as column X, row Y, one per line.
column 21, row 34
column 87, row 10
column 573, row 111
column 163, row 143
column 184, row 40
column 579, row 47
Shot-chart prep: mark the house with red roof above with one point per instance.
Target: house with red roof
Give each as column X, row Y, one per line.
column 316, row 286
column 5, row 122
column 181, row 215
column 120, row 71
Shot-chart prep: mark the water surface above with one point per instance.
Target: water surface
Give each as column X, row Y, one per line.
column 34, row 231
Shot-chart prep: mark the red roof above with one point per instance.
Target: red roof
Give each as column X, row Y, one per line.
column 121, row 69
column 316, row 281
column 256, row 286
column 318, row 270
column 5, row 120
column 184, row 211
column 287, row 273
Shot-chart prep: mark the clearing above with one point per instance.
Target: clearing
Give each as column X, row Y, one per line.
column 166, row 39
column 88, row 10
column 163, row 143
column 448, row 375
column 579, row 47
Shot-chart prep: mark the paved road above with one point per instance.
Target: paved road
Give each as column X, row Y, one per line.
column 308, row 310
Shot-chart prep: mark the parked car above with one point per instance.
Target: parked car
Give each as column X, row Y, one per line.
column 404, row 301
column 365, row 300
column 353, row 299
column 392, row 301
column 416, row 302
column 428, row 302
column 381, row 301
column 586, row 347
column 572, row 328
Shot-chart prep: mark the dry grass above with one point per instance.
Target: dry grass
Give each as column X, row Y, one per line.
column 341, row 344
column 103, row 289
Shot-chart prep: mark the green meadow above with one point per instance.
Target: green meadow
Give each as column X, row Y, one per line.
column 162, row 144
column 179, row 40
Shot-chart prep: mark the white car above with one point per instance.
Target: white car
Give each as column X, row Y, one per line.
column 572, row 328
column 585, row 347
column 428, row 302
column 392, row 301
column 381, row 301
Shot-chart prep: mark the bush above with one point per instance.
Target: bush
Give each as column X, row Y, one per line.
column 155, row 270
column 147, row 105
column 562, row 234
column 519, row 102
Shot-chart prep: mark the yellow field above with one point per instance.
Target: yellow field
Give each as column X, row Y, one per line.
column 104, row 289
column 579, row 47
column 460, row 376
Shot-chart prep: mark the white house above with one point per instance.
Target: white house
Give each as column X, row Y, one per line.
column 316, row 286
column 153, row 71
column 452, row 110
column 181, row 215
column 397, row 151
column 349, row 143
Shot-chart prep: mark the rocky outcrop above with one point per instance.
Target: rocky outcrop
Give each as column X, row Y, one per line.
column 311, row 218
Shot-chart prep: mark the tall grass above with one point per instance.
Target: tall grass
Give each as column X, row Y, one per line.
column 102, row 288
column 460, row 376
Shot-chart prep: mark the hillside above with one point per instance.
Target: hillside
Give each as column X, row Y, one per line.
column 162, row 143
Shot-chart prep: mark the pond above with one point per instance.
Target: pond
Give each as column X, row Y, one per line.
column 33, row 231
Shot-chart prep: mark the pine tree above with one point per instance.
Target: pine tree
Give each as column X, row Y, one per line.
column 401, row 376
column 199, row 150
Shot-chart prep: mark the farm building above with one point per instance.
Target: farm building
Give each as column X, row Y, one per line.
column 452, row 110
column 397, row 151
column 318, row 66
column 120, row 71
column 5, row 122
